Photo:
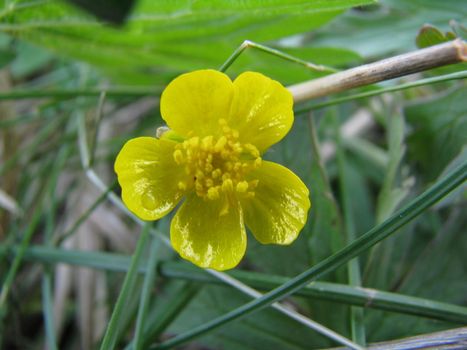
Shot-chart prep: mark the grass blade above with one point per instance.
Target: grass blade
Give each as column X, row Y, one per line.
column 47, row 303
column 357, row 326
column 112, row 331
column 171, row 310
column 145, row 294
column 364, row 297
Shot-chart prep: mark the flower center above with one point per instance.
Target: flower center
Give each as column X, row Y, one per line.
column 217, row 166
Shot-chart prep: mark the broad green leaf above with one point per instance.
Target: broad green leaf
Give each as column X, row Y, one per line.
column 389, row 27
column 439, row 131
column 163, row 38
column 113, row 11
column 6, row 57
column 266, row 329
column 29, row 59
column 436, row 269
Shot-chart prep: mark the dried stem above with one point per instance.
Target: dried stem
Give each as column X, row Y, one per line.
column 445, row 340
column 435, row 56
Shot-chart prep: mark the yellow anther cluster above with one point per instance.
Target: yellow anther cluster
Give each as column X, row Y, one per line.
column 217, row 166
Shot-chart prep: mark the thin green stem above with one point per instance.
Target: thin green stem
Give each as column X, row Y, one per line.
column 145, row 295
column 341, row 293
column 316, row 152
column 112, row 331
column 249, row 44
column 47, row 294
column 365, row 241
column 83, row 140
column 47, row 303
column 86, row 214
column 95, row 130
column 389, row 197
column 73, row 93
column 335, row 292
column 357, row 326
column 17, row 260
column 31, row 228
column 317, row 327
column 168, row 313
column 38, row 139
column 421, row 82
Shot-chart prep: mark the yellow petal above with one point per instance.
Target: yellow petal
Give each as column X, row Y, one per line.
column 207, row 234
column 194, row 102
column 149, row 177
column 262, row 110
column 279, row 209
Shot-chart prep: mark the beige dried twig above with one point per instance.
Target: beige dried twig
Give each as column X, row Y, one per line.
column 413, row 62
column 444, row 340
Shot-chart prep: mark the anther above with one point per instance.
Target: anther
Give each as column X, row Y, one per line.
column 242, row 186
column 207, row 143
column 178, row 156
column 216, row 173
column 227, row 185
column 213, row 193
column 220, row 144
column 252, row 150
column 199, row 174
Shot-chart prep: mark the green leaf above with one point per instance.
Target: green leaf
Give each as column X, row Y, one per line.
column 163, row 38
column 265, row 330
column 6, row 57
column 439, row 129
column 430, row 35
column 114, row 11
column 392, row 193
column 389, row 27
column 29, row 59
column 437, row 270
column 458, row 29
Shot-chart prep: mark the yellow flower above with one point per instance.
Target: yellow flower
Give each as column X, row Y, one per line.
column 211, row 155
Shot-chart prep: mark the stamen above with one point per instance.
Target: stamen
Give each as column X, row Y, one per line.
column 227, row 185
column 178, row 156
column 213, row 193
column 216, row 166
column 242, row 186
